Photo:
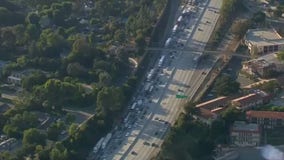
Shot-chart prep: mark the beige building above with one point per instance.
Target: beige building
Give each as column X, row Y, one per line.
column 245, row 135
column 263, row 41
column 264, row 66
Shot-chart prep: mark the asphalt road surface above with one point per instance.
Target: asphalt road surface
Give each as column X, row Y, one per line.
column 180, row 75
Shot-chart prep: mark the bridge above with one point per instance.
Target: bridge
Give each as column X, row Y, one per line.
column 189, row 50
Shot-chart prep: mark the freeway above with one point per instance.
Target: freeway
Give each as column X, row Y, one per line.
column 184, row 76
column 180, row 74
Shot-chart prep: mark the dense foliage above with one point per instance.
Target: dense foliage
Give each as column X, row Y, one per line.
column 68, row 44
column 189, row 139
column 225, row 85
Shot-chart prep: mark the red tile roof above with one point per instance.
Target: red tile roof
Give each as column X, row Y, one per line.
column 247, row 99
column 207, row 114
column 265, row 114
column 214, row 103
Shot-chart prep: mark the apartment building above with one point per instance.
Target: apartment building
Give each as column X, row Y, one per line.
column 245, row 135
column 267, row 119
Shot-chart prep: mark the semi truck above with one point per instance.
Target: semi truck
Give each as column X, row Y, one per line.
column 106, row 140
column 98, row 145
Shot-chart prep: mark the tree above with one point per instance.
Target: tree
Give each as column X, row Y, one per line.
column 218, row 131
column 51, row 44
column 76, row 70
column 280, row 55
column 190, row 108
column 59, row 152
column 32, row 18
column 32, row 31
column 259, row 17
column 72, row 129
column 110, row 100
column 140, row 42
column 240, row 27
column 32, row 80
column 104, row 79
column 70, row 118
column 53, row 132
column 224, row 86
column 230, row 115
column 33, row 136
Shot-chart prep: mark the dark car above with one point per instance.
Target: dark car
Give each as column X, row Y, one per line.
column 133, row 153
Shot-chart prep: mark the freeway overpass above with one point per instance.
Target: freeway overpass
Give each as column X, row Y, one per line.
column 188, row 50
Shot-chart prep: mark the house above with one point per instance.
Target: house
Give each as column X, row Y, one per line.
column 16, row 77
column 264, row 66
column 245, row 135
column 8, row 144
column 210, row 110
column 247, row 102
column 263, row 41
column 267, row 119
column 214, row 103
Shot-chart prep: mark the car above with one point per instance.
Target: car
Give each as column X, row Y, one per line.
column 180, row 90
column 203, row 73
column 134, row 153
column 146, row 143
column 127, row 134
column 154, row 145
column 156, row 133
column 156, row 118
column 199, row 29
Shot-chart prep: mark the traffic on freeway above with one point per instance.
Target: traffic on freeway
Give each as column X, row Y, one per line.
column 173, row 80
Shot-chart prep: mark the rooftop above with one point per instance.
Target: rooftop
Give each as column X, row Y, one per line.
column 207, row 114
column 264, row 37
column 243, row 126
column 265, row 114
column 248, row 98
column 267, row 60
column 211, row 104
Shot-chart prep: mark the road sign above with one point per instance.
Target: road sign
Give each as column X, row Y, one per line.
column 181, row 95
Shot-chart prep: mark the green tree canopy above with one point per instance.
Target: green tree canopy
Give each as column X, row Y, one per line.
column 33, row 136
column 224, row 86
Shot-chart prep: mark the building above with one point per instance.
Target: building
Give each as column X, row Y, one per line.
column 264, row 66
column 210, row 110
column 245, row 135
column 247, row 102
column 263, row 41
column 8, row 144
column 15, row 78
column 268, row 119
column 214, row 103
